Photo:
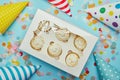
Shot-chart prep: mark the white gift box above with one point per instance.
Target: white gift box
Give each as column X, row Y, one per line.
column 54, row 50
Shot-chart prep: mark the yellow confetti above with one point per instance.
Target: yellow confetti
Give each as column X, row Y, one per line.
column 26, row 14
column 94, row 28
column 100, row 2
column 15, row 62
column 90, row 24
column 101, row 52
column 9, row 43
column 101, row 18
column 91, row 5
column 111, row 13
column 23, row 19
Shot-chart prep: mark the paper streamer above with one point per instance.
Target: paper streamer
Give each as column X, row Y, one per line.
column 106, row 71
column 8, row 13
column 17, row 72
column 62, row 5
column 108, row 14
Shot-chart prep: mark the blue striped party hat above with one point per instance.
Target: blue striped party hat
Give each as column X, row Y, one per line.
column 106, row 71
column 17, row 72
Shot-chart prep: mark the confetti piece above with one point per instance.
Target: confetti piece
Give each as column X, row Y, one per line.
column 107, row 60
column 109, row 36
column 70, row 2
column 81, row 77
column 38, row 73
column 106, row 45
column 86, row 69
column 91, row 4
column 113, row 52
column 111, row 13
column 26, row 57
column 101, row 52
column 15, row 62
column 20, row 53
column 26, row 14
column 87, row 72
column 56, row 12
column 3, row 44
column 94, row 63
column 9, row 43
column 94, row 21
column 24, row 27
column 101, row 19
column 23, row 19
column 90, row 24
column 100, row 29
column 100, row 2
column 89, row 16
column 9, row 46
column 102, row 10
column 94, row 28
column 118, row 6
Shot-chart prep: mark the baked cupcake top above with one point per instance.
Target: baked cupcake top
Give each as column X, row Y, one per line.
column 37, row 42
column 80, row 43
column 62, row 34
column 54, row 49
column 72, row 59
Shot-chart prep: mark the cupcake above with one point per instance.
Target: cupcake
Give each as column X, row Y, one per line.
column 46, row 26
column 62, row 35
column 54, row 50
column 72, row 59
column 37, row 42
column 80, row 43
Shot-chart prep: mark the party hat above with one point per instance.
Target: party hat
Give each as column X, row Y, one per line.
column 106, row 71
column 17, row 72
column 8, row 13
column 109, row 14
column 62, row 5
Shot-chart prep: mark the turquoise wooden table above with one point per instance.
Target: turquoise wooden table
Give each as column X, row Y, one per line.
column 109, row 50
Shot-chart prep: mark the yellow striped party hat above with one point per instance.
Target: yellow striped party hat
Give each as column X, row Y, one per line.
column 8, row 13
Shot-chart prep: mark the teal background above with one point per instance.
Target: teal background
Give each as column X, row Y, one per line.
column 16, row 33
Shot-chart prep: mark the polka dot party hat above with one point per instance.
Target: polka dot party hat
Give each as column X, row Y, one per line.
column 8, row 13
column 108, row 14
column 62, row 5
column 17, row 72
column 106, row 71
